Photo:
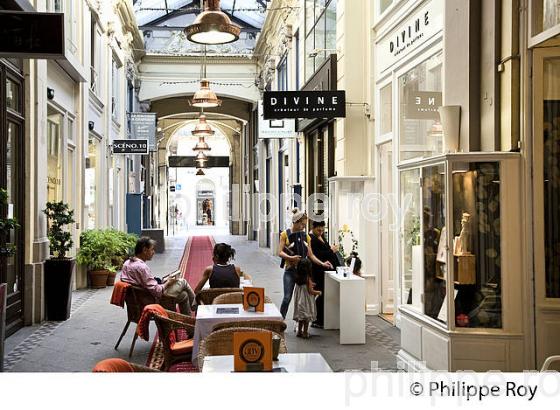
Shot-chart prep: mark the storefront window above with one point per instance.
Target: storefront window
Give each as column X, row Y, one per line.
column 476, row 244
column 419, row 99
column 13, row 96
column 54, row 158
column 411, row 255
column 320, row 29
column 12, row 189
column 386, row 107
column 545, row 15
column 551, row 168
column 384, row 5
column 434, row 242
column 91, row 182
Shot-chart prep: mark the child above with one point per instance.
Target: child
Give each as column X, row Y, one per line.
column 305, row 310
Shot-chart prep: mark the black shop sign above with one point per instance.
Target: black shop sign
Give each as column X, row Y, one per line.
column 130, row 146
column 304, row 104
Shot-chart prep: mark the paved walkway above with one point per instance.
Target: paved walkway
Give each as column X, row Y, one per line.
column 94, row 326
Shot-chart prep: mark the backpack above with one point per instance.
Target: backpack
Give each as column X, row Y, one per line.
column 297, row 245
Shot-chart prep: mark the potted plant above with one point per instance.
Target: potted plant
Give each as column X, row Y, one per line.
column 97, row 252
column 122, row 244
column 59, row 268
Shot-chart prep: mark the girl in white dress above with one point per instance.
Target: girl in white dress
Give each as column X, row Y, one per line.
column 305, row 310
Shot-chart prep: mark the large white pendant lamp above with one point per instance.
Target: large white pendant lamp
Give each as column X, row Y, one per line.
column 212, row 26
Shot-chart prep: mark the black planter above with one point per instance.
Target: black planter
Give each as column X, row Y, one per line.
column 58, row 288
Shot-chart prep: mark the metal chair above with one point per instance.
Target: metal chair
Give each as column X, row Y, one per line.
column 548, row 363
column 207, row 296
column 135, row 300
column 220, row 343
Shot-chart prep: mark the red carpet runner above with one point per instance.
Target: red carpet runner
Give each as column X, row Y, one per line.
column 196, row 256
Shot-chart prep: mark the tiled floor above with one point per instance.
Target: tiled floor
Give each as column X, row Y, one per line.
column 94, row 326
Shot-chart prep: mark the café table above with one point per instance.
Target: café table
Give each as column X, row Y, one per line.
column 290, row 362
column 242, row 283
column 207, row 317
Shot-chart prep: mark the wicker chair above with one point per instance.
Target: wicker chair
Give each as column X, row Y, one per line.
column 136, row 368
column 220, row 343
column 180, row 351
column 233, row 298
column 136, row 299
column 276, row 326
column 207, row 296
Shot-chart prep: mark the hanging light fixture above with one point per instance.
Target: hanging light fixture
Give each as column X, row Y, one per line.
column 201, row 156
column 205, row 97
column 212, row 26
column 202, row 145
column 200, row 172
column 202, row 128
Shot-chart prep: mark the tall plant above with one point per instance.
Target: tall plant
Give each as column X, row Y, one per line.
column 59, row 215
column 6, row 226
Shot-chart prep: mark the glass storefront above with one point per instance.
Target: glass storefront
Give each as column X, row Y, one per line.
column 545, row 15
column 420, row 96
column 54, row 157
column 91, row 182
column 551, row 173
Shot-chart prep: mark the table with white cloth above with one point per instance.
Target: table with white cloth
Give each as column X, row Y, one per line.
column 290, row 362
column 242, row 283
column 207, row 318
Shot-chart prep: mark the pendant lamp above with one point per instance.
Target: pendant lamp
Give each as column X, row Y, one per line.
column 201, row 156
column 200, row 172
column 202, row 128
column 212, row 26
column 202, row 145
column 205, row 97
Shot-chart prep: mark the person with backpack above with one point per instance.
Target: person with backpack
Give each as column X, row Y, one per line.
column 295, row 245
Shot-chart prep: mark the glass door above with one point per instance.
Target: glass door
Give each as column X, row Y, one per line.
column 546, row 186
column 11, row 179
column 387, row 233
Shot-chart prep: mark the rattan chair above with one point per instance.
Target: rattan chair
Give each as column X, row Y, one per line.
column 207, row 296
column 180, row 351
column 136, row 299
column 274, row 325
column 220, row 343
column 136, row 368
column 233, row 298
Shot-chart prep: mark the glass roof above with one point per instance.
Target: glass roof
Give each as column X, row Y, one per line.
column 247, row 13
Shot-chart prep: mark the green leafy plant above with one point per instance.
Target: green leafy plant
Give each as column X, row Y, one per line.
column 413, row 234
column 6, row 226
column 104, row 249
column 59, row 215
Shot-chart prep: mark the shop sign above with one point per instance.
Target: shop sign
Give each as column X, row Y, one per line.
column 32, row 35
column 304, row 104
column 143, row 126
column 423, row 105
column 130, row 147
column 409, row 35
column 278, row 128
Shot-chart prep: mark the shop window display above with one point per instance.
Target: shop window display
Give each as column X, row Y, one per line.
column 466, row 249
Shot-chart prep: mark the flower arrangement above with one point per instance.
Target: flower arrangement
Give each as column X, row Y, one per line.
column 343, row 233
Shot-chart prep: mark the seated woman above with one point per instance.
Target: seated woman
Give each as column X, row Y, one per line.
column 222, row 274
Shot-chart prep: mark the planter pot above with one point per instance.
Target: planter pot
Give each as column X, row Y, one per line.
column 98, row 278
column 111, row 278
column 58, row 288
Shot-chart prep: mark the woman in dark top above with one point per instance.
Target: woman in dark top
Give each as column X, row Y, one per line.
column 222, row 274
column 324, row 252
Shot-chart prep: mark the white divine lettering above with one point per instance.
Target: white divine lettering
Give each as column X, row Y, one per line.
column 335, row 100
column 273, row 101
column 306, row 100
column 321, row 100
column 418, row 100
column 296, row 100
column 431, row 101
